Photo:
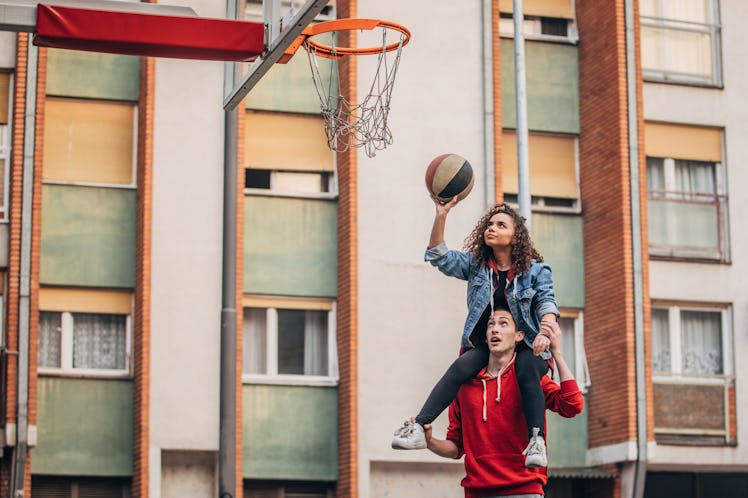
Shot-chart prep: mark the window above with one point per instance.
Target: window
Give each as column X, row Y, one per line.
column 269, row 489
column 553, row 171
column 543, row 19
column 84, row 332
column 692, row 372
column 5, row 141
column 681, row 41
column 82, row 487
column 572, row 345
column 686, row 185
column 287, row 154
column 292, row 342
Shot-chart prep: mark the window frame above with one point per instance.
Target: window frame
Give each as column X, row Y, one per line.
column 332, row 181
column 580, row 368
column 6, row 148
column 674, row 334
column 271, row 343
column 66, row 368
column 532, row 25
column 676, row 377
column 720, row 199
column 713, row 29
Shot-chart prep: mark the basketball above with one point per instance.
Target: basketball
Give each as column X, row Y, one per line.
column 449, row 175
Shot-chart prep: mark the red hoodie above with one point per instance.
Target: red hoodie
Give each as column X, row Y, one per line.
column 488, row 426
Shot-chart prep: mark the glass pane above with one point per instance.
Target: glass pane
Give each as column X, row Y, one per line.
column 285, row 181
column 655, row 173
column 50, row 332
column 291, row 342
column 725, row 485
column 315, row 353
column 686, row 10
column 567, row 343
column 683, row 224
column 99, row 341
column 701, row 337
column 695, row 177
column 255, row 341
column 675, row 51
column 669, row 485
column 660, row 341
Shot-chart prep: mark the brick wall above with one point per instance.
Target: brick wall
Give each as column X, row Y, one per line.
column 142, row 319
column 605, row 186
column 347, row 304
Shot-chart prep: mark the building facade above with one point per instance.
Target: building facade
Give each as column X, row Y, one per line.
column 112, row 253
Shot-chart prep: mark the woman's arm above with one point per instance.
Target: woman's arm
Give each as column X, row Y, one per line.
column 440, row 220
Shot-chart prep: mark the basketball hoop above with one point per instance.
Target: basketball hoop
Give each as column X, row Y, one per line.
column 362, row 124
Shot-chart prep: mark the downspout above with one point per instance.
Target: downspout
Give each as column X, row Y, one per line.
column 640, row 466
column 523, row 161
column 18, row 462
column 227, row 411
column 488, row 113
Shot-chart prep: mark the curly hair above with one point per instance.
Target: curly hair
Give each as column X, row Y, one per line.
column 523, row 250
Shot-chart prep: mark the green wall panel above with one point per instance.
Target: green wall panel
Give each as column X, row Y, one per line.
column 88, row 236
column 290, row 432
column 567, row 440
column 94, row 75
column 552, row 80
column 558, row 237
column 85, row 427
column 290, row 246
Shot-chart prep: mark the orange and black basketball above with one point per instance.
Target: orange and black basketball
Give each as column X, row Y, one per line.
column 449, row 175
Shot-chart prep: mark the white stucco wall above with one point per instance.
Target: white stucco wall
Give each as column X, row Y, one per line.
column 411, row 316
column 719, row 283
column 186, row 249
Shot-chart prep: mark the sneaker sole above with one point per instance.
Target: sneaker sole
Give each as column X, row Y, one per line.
column 399, row 446
column 535, row 465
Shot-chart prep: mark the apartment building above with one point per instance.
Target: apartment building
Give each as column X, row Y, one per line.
column 112, row 253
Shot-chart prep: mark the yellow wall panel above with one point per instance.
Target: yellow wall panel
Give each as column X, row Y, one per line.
column 283, row 141
column 286, row 303
column 89, row 141
column 683, row 142
column 552, row 165
column 541, row 8
column 85, row 300
column 4, row 96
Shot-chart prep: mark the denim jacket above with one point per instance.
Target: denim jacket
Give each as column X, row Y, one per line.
column 530, row 294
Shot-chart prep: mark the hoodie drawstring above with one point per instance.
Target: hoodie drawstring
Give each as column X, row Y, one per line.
column 498, row 386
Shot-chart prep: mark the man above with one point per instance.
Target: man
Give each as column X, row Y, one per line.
column 486, row 422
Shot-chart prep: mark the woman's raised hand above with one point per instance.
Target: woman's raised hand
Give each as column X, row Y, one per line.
column 444, row 207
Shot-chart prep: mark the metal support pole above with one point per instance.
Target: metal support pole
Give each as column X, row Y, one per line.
column 488, row 114
column 227, row 415
column 640, row 471
column 523, row 155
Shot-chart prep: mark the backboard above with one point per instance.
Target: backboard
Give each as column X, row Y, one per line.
column 284, row 21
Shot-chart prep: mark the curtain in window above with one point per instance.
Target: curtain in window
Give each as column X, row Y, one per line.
column 99, row 341
column 655, row 173
column 255, row 341
column 701, row 337
column 315, row 343
column 50, row 335
column 695, row 177
column 660, row 341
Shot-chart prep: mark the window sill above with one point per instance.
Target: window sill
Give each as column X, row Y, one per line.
column 563, row 40
column 330, row 196
column 692, row 440
column 686, row 258
column 669, row 79
column 85, row 374
column 291, row 380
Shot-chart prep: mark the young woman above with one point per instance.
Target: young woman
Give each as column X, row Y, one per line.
column 503, row 270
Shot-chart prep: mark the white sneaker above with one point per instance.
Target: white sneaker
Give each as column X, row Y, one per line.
column 409, row 437
column 535, row 453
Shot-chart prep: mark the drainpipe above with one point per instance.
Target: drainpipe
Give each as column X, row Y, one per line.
column 640, row 465
column 488, row 112
column 18, row 462
column 523, row 161
column 227, row 411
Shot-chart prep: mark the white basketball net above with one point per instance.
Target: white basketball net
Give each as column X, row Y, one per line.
column 358, row 125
